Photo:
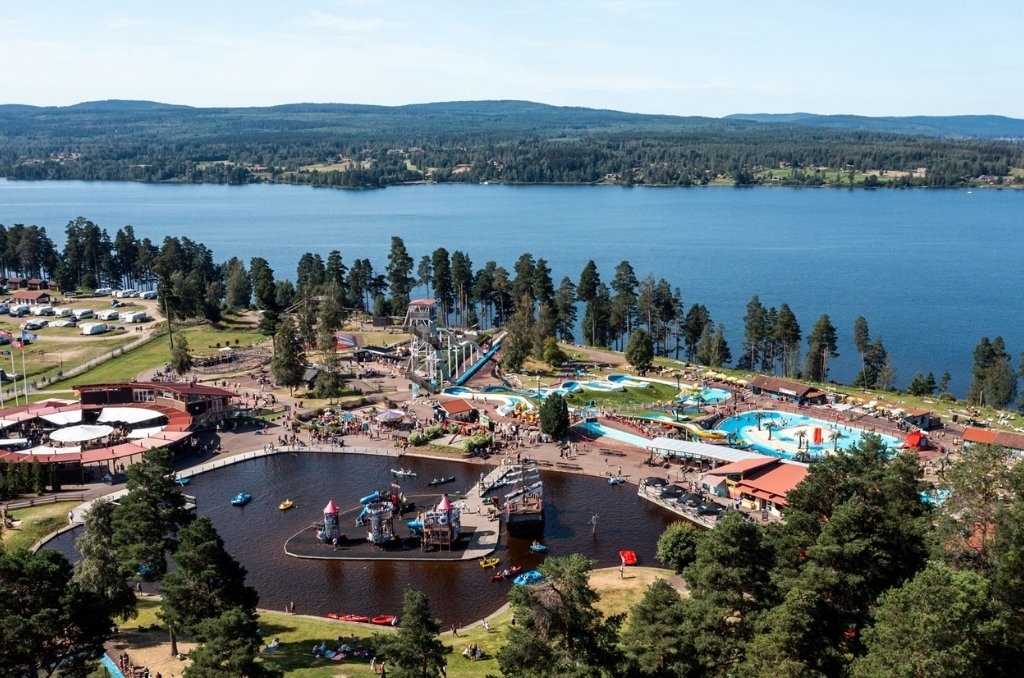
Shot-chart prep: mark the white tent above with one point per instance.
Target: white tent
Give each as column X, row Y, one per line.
column 76, row 434
column 64, row 418
column 140, row 433
column 49, row 449
column 12, row 442
column 127, row 415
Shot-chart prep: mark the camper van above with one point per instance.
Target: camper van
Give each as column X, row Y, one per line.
column 42, row 310
column 19, row 310
column 103, row 291
column 83, row 313
column 133, row 317
column 62, row 312
column 109, row 314
column 94, row 328
column 151, row 294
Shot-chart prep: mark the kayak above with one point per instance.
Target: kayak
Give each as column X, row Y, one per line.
column 286, row 504
column 489, row 562
column 385, row 620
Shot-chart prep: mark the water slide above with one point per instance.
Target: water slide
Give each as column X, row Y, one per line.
column 710, row 434
column 495, row 345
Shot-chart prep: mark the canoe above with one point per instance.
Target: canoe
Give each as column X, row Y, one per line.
column 537, row 547
column 241, row 499
column 286, row 504
column 507, row 573
column 617, row 480
column 385, row 620
column 183, row 481
column 527, row 578
column 489, row 562
column 442, row 481
column 628, row 557
column 403, row 473
column 349, row 617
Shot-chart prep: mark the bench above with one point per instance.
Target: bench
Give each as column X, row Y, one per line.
column 543, row 462
column 612, row 453
column 562, row 464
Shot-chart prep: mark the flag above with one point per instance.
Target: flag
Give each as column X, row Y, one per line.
column 17, row 343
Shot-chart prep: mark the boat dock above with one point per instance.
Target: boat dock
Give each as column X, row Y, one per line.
column 651, row 494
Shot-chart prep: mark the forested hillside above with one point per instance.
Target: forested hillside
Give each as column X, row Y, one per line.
column 496, row 141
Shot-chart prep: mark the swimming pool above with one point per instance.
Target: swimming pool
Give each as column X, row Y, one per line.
column 783, row 434
column 708, row 395
column 615, row 434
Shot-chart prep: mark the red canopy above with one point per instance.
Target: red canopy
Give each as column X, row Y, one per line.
column 331, row 508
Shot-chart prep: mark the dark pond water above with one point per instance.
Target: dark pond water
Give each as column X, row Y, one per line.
column 459, row 592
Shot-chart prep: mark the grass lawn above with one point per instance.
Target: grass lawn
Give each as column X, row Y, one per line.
column 298, row 633
column 36, row 523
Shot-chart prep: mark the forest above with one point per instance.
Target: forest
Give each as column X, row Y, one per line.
column 355, row 146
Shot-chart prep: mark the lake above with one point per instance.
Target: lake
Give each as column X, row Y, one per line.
column 931, row 270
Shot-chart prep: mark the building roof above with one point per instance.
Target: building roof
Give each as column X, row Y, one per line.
column 784, row 386
column 744, row 465
column 29, row 295
column 671, row 447
column 1013, row 441
column 457, row 406
column 180, row 388
column 772, row 482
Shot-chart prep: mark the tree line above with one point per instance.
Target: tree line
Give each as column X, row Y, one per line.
column 510, row 142
column 524, row 299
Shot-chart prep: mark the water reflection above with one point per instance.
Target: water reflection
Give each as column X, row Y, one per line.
column 459, row 592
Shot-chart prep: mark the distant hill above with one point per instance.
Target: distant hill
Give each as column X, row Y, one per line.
column 956, row 126
column 520, row 142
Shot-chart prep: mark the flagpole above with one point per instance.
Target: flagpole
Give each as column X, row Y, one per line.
column 14, row 376
column 24, row 374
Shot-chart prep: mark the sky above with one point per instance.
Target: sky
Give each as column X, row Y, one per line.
column 674, row 57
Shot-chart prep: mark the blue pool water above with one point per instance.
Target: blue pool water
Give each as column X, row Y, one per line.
column 785, row 440
column 709, row 395
column 615, row 434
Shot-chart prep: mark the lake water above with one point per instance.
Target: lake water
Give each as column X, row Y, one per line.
column 931, row 270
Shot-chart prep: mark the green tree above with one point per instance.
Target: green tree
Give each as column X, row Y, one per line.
column 553, row 354
column 230, row 648
column 561, row 632
column 207, row 582
column 640, row 350
column 238, row 286
column 787, row 335
column 920, row 385
column 554, row 416
column 697, row 319
column 861, row 339
column 48, row 622
column 994, row 381
column 677, row 545
column 444, row 286
column 587, row 290
column 181, row 359
column 940, row 623
column 147, row 519
column 653, row 641
column 100, row 571
column 399, row 274
column 289, row 362
column 822, row 345
column 518, row 343
column 416, row 649
column 263, row 285
column 755, row 331
column 730, row 586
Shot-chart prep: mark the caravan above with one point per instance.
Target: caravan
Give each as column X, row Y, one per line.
column 94, row 328
column 133, row 317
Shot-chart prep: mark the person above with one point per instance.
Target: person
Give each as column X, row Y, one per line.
column 71, row 516
column 455, row 631
column 487, row 626
column 373, row 665
column 513, row 620
column 621, row 571
column 383, row 670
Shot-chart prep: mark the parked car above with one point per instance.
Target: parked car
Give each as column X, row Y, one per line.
column 34, row 324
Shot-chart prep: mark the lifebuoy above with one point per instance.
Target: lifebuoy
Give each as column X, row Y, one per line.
column 442, row 519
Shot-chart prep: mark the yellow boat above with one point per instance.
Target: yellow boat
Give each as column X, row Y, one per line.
column 489, row 562
column 286, row 504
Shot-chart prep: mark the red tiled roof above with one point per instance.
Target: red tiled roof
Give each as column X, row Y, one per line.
column 457, row 406
column 979, row 435
column 774, row 482
column 743, row 465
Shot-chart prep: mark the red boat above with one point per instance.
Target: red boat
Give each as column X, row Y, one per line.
column 507, row 573
column 348, row 617
column 385, row 620
column 628, row 557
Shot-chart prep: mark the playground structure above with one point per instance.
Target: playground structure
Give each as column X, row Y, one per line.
column 440, row 527
column 439, row 357
column 330, row 533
